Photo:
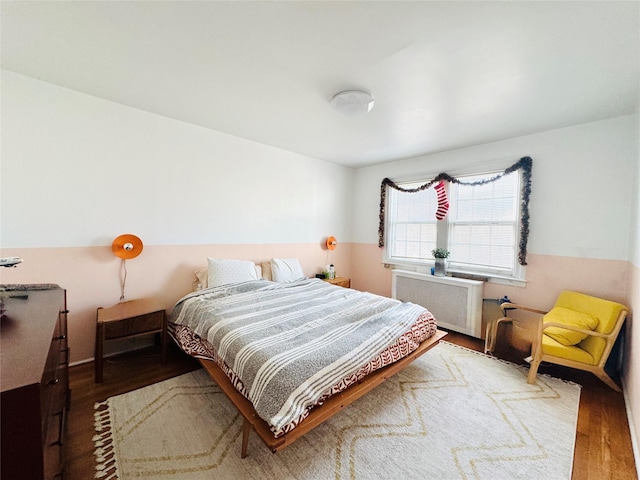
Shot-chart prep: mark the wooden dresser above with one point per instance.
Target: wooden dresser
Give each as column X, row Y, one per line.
column 34, row 378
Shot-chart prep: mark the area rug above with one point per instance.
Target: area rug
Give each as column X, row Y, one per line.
column 451, row 414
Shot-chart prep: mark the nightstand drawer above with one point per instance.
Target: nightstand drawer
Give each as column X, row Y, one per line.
column 149, row 323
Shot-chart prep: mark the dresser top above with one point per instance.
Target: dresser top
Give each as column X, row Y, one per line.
column 29, row 318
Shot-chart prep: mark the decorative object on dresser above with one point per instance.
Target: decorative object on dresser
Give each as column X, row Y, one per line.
column 35, row 380
column 126, row 320
column 10, row 261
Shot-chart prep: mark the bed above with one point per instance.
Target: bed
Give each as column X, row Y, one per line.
column 290, row 354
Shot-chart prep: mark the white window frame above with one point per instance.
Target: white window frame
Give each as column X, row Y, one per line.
column 517, row 276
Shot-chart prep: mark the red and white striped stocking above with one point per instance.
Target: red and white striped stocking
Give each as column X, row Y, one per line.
column 443, row 204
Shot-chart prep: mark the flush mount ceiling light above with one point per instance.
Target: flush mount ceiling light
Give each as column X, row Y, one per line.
column 353, row 103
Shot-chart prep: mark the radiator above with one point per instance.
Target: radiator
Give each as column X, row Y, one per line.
column 456, row 303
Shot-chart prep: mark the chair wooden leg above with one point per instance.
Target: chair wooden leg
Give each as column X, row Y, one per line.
column 489, row 338
column 533, row 370
column 492, row 334
column 602, row 375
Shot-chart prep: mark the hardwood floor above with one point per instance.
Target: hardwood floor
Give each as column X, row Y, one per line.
column 603, row 444
column 603, row 447
column 121, row 374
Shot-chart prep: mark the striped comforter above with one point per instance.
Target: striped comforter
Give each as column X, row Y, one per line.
column 287, row 347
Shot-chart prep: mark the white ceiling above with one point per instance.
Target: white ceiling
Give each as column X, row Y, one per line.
column 444, row 74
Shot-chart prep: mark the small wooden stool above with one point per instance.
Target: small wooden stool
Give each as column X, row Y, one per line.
column 126, row 320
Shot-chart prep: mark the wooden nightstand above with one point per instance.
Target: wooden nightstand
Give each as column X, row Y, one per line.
column 126, row 320
column 340, row 281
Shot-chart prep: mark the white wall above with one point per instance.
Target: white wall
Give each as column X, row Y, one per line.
column 581, row 185
column 634, row 241
column 632, row 358
column 78, row 171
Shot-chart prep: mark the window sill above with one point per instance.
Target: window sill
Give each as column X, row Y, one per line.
column 487, row 277
column 514, row 282
column 491, row 278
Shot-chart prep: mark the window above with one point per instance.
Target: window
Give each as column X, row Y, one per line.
column 412, row 232
column 483, row 225
column 481, row 228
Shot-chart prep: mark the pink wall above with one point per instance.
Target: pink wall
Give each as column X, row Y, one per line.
column 92, row 279
column 547, row 275
column 91, row 276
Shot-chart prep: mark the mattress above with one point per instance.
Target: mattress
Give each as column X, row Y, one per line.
column 288, row 347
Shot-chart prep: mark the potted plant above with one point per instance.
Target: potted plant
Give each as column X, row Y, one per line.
column 440, row 254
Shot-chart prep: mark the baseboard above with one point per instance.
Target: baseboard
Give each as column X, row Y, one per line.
column 634, row 435
column 81, row 362
column 121, row 346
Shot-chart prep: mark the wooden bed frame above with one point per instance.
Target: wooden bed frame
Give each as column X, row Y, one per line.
column 318, row 415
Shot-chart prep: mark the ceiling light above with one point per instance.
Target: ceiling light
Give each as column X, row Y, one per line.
column 353, row 103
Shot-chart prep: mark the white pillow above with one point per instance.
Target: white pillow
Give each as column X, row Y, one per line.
column 202, row 274
column 224, row 271
column 286, row 270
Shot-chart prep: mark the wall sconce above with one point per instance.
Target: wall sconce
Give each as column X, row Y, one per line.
column 331, row 243
column 126, row 247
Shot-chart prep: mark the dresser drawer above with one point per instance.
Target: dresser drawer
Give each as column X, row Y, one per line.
column 35, row 382
column 50, row 381
column 53, row 464
column 52, row 446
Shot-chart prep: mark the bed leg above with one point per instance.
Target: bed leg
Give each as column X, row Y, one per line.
column 246, row 430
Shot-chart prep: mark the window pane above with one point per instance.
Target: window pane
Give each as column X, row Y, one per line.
column 413, row 232
column 399, row 249
column 483, row 223
column 412, row 223
column 401, row 231
column 413, row 249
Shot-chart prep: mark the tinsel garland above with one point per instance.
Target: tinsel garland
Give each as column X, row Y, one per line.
column 525, row 163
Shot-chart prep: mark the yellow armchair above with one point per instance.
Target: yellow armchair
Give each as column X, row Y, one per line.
column 578, row 332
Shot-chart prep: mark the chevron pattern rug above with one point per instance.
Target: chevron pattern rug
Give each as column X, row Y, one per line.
column 452, row 414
